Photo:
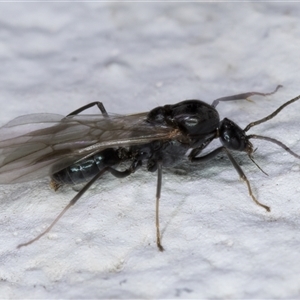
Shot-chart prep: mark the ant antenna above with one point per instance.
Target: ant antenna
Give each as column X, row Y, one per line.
column 280, row 144
column 272, row 140
column 272, row 115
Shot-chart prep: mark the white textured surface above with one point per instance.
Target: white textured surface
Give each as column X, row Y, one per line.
column 56, row 57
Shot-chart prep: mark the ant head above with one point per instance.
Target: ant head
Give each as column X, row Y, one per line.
column 234, row 137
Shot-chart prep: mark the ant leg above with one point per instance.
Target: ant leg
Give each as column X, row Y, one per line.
column 193, row 155
column 114, row 172
column 81, row 109
column 121, row 174
column 136, row 165
column 158, row 193
column 71, row 203
column 243, row 96
column 133, row 168
column 235, row 165
column 196, row 151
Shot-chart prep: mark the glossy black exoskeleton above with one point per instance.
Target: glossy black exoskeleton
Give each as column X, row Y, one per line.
column 196, row 121
column 157, row 139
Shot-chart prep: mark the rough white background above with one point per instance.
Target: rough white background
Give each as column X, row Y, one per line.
column 56, row 57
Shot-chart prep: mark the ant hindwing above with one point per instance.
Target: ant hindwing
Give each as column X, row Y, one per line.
column 80, row 148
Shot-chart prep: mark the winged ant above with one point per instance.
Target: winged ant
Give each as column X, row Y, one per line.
column 81, row 148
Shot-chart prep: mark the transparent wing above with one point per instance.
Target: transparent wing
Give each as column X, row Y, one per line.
column 38, row 145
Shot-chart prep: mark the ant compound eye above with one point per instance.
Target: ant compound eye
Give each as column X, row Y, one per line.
column 232, row 136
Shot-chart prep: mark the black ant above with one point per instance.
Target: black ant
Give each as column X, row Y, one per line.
column 81, row 148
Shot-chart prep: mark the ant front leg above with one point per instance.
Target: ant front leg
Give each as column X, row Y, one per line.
column 243, row 96
column 85, row 107
column 239, row 170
